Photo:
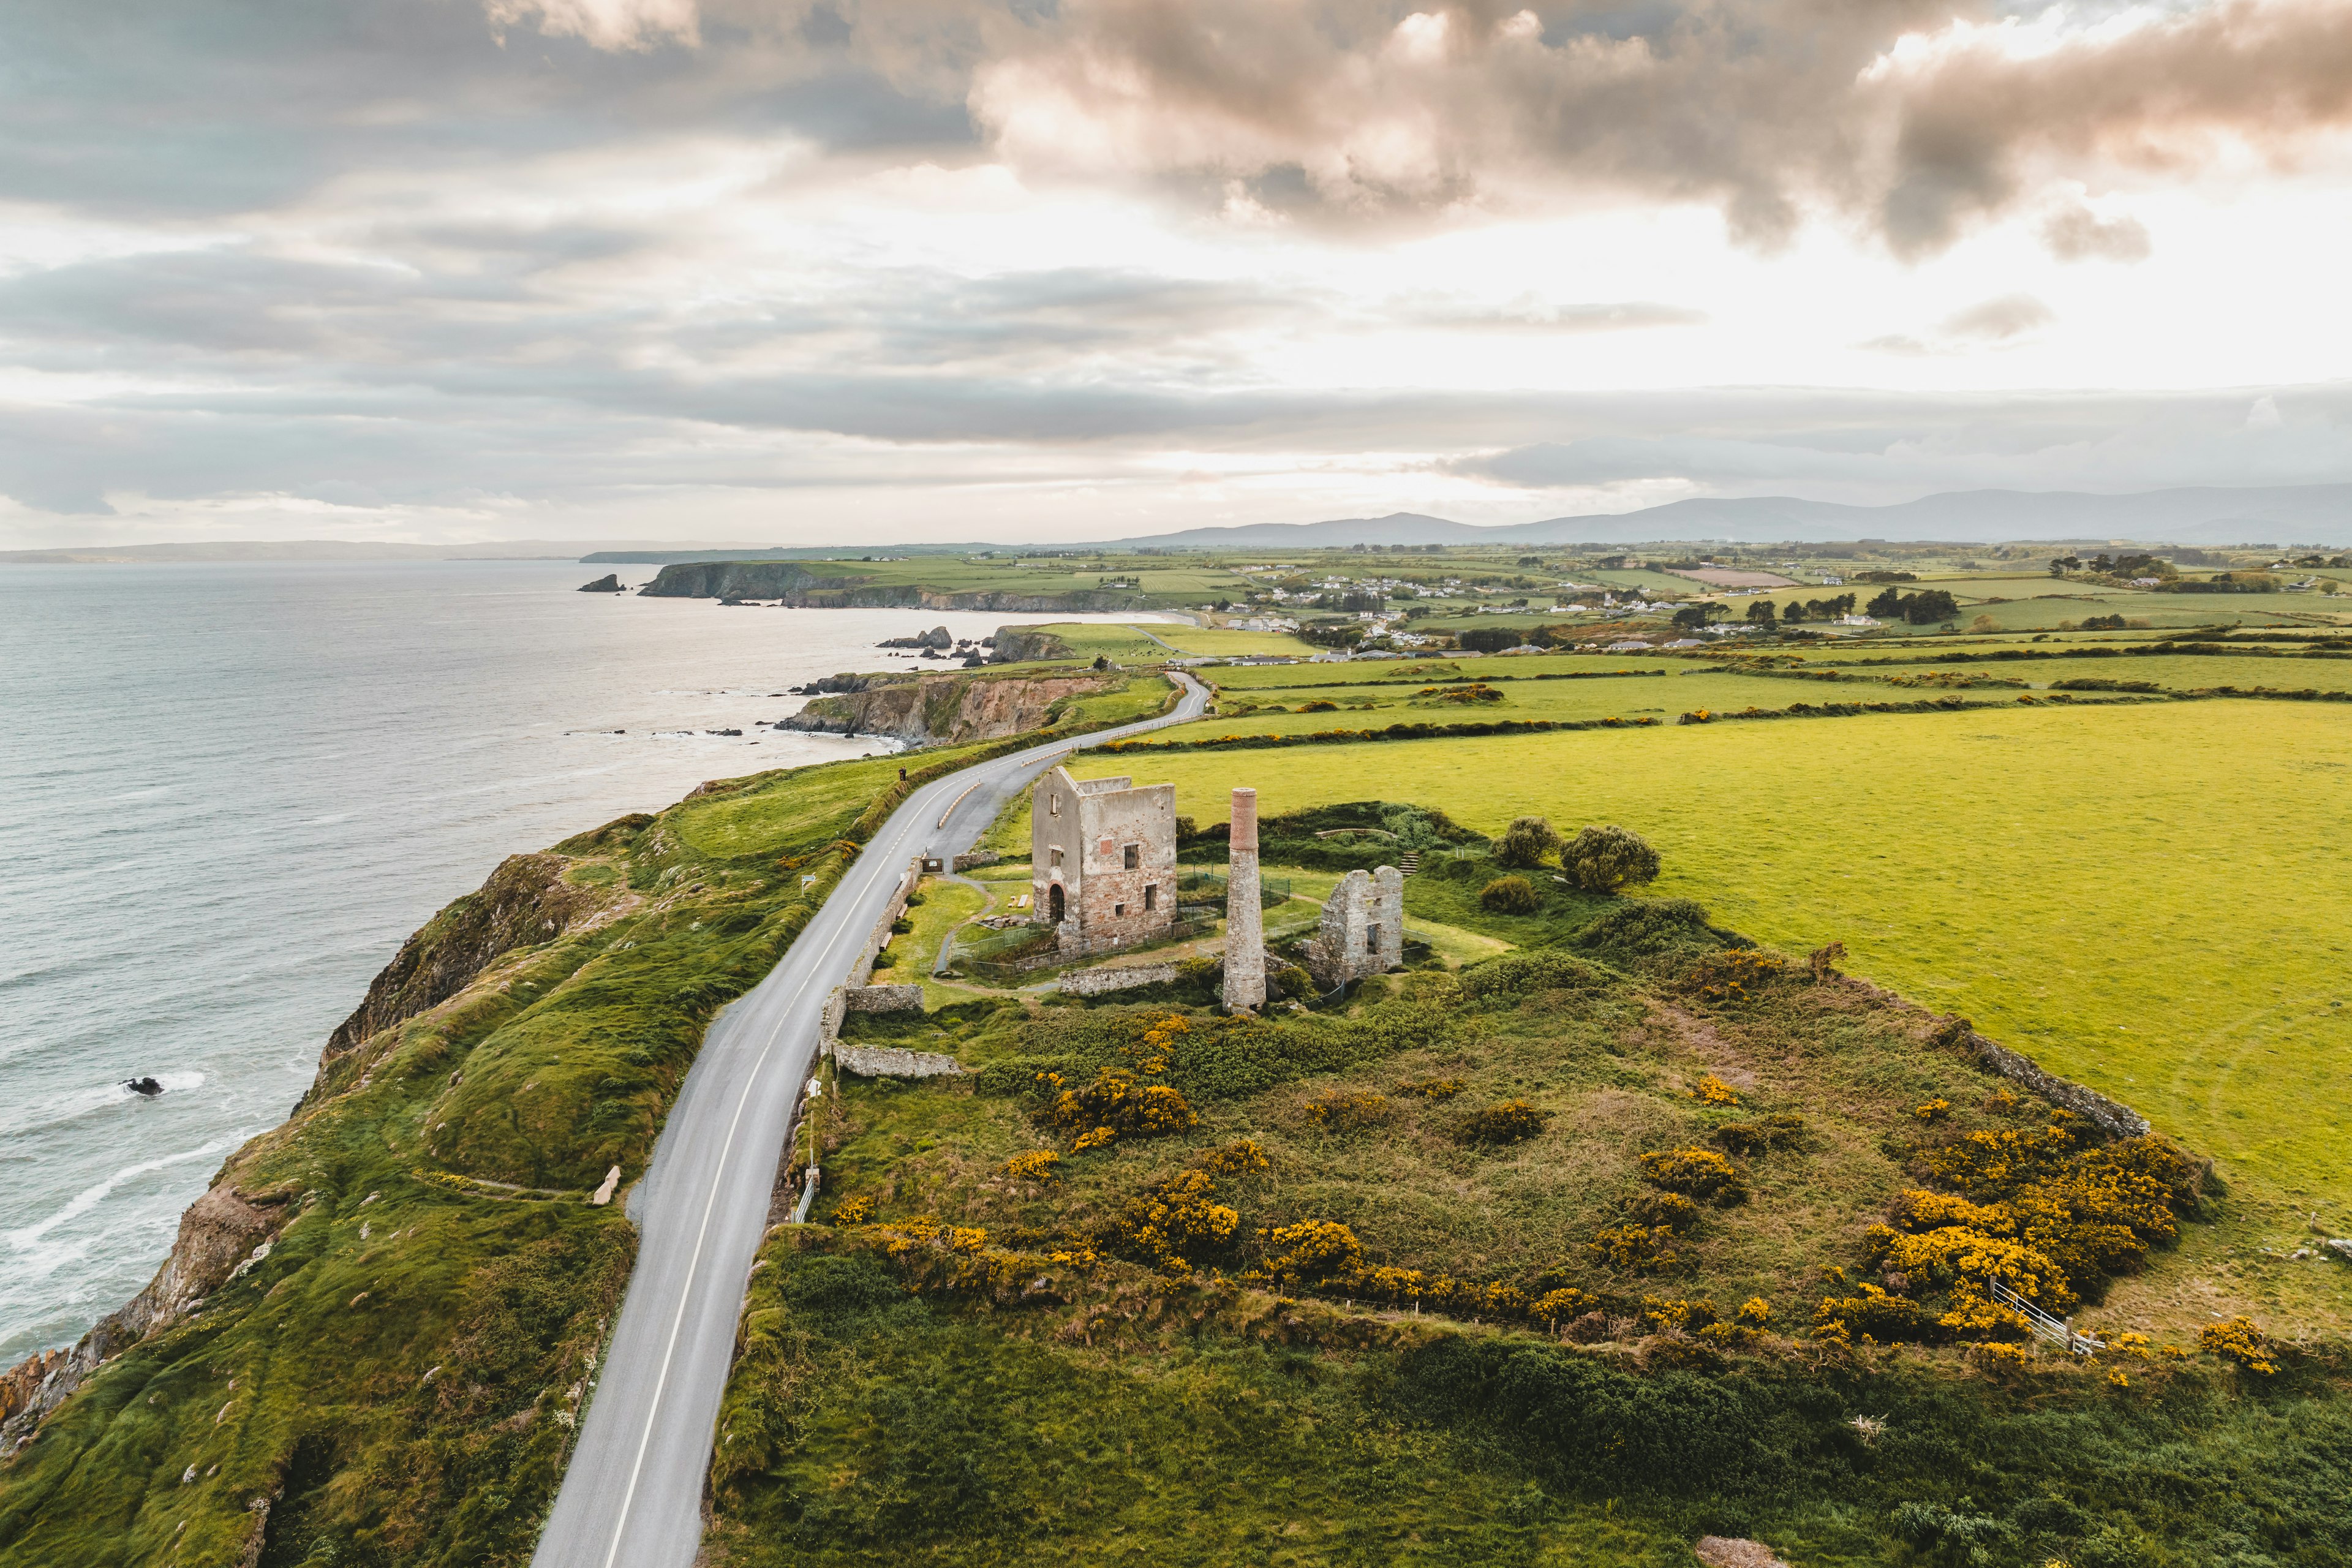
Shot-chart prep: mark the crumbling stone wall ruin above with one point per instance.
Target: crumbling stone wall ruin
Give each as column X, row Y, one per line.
column 1362, row 932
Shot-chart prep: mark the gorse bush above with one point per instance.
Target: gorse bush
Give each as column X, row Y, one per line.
column 1734, row 974
column 1508, row 1123
column 1608, row 860
column 1700, row 1173
column 1336, row 1112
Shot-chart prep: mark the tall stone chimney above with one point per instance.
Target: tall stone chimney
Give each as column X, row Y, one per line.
column 1245, row 914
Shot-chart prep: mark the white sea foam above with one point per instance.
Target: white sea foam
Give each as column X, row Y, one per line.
column 88, row 1100
column 27, row 1241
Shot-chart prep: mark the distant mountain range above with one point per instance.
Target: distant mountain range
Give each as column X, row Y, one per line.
column 2273, row 516
column 2299, row 514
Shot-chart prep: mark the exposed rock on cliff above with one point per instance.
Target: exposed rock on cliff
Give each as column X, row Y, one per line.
column 218, row 1232
column 526, row 901
column 610, row 583
column 1016, row 644
column 948, row 708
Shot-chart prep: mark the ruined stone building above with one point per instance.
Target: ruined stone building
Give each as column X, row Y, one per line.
column 1362, row 931
column 1102, row 858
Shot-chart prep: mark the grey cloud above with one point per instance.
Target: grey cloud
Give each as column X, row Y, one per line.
column 1887, row 448
column 1539, row 316
column 1997, row 321
column 2076, row 233
column 1765, row 108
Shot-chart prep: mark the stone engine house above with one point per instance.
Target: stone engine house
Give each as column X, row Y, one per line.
column 1102, row 860
column 1362, row 931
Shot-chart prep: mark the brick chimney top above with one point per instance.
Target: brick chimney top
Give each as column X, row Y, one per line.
column 1245, row 831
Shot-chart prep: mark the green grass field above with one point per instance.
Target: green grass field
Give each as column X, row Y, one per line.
column 1152, row 642
column 2151, row 898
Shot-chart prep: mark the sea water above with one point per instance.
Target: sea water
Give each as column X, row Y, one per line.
column 228, row 791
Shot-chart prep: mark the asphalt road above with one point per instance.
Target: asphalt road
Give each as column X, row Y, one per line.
column 631, row 1497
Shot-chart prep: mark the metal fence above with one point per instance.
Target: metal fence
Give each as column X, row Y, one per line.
column 2056, row 1331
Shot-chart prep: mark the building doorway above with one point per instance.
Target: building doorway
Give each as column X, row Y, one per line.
column 1054, row 903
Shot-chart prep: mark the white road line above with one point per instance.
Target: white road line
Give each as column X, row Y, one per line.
column 719, row 1172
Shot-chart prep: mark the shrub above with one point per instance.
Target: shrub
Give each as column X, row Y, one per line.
column 1700, row 1174
column 1876, row 1315
column 2241, row 1342
column 1507, row 1122
column 1115, row 1103
column 1320, row 705
column 1037, row 1165
column 1782, row 1129
column 1933, row 1111
column 1671, row 1210
column 1653, row 929
column 1528, row 841
column 855, row 1210
column 1635, row 1248
column 1433, row 1087
column 1510, row 896
column 1712, row 1091
column 1239, row 1158
column 1170, row 1223
column 1314, row 1250
column 1608, row 860
column 1734, row 974
column 1336, row 1113
column 1537, row 968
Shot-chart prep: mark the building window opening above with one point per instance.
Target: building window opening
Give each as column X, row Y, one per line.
column 1118, row 908
column 1371, row 938
column 1133, row 858
column 1056, row 864
column 1054, row 805
column 1150, row 897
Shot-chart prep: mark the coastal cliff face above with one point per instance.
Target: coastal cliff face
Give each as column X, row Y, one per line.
column 389, row 1309
column 1017, row 645
column 948, row 708
column 787, row 581
column 525, row 900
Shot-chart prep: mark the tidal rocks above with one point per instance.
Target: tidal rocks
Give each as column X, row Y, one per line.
column 937, row 637
column 610, row 583
column 146, row 1086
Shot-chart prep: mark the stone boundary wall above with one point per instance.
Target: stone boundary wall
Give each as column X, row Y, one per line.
column 1123, row 977
column 888, row 1061
column 965, row 862
column 862, row 972
column 2110, row 1116
column 882, row 999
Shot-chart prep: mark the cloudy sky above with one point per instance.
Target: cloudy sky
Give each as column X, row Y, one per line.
column 822, row 272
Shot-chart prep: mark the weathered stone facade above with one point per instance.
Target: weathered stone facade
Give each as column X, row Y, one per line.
column 1119, row 977
column 1245, row 986
column 1362, row 931
column 883, row 999
column 1102, row 857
